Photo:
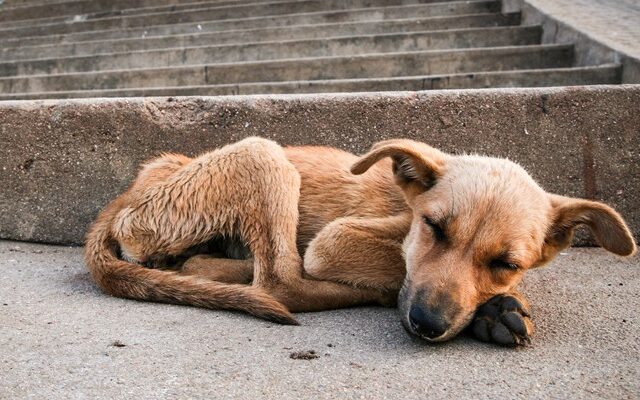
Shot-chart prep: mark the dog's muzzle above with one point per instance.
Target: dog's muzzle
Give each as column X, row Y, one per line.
column 428, row 324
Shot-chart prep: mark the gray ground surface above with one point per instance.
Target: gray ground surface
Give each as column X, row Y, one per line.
column 58, row 332
column 615, row 23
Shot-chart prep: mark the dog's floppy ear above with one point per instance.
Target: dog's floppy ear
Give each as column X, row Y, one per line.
column 415, row 164
column 605, row 223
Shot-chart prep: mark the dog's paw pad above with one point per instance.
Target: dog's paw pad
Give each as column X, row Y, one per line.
column 503, row 320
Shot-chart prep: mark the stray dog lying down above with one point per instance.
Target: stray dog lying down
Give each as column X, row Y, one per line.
column 446, row 237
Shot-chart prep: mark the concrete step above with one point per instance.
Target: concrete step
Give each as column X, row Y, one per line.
column 344, row 46
column 22, row 52
column 128, row 10
column 95, row 4
column 361, row 15
column 91, row 9
column 76, row 6
column 261, row 15
column 393, row 64
column 8, row 4
column 596, row 75
column 364, row 66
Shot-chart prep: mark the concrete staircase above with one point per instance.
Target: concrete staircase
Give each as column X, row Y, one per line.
column 70, row 49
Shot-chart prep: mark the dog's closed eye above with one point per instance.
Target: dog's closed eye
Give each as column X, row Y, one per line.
column 438, row 230
column 500, row 264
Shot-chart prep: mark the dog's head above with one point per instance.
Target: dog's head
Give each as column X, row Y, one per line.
column 479, row 224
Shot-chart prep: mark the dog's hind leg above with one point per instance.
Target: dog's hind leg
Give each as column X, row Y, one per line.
column 248, row 190
column 174, row 204
column 260, row 191
column 219, row 269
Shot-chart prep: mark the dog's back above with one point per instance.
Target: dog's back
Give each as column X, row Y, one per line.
column 330, row 191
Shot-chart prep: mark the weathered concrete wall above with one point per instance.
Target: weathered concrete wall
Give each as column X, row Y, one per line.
column 61, row 161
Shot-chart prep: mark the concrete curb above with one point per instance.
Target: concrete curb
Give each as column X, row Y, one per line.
column 61, row 161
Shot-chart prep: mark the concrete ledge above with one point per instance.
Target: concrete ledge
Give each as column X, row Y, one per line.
column 61, row 161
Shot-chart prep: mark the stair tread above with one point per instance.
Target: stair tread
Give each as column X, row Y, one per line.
column 570, row 71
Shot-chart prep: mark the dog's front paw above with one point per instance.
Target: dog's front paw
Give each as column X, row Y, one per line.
column 503, row 320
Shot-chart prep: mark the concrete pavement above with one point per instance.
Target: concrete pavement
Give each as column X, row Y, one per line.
column 63, row 339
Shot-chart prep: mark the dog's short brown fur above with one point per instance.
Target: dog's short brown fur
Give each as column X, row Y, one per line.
column 452, row 235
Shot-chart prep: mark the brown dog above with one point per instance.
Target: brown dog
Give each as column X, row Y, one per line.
column 452, row 235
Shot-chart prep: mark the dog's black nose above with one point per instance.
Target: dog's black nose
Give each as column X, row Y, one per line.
column 426, row 323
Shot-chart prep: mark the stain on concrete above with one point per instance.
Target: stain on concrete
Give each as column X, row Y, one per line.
column 588, row 168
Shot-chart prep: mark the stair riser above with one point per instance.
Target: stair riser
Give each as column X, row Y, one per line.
column 312, row 48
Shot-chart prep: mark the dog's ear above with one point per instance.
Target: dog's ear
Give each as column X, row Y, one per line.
column 605, row 223
column 415, row 164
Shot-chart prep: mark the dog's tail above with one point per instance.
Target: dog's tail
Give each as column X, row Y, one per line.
column 124, row 279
